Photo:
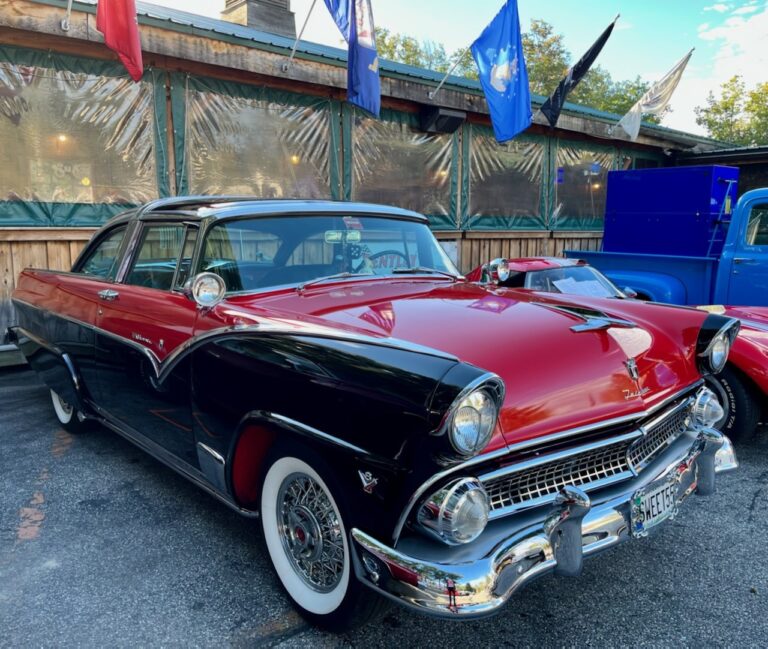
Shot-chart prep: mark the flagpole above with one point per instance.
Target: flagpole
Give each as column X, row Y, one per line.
column 432, row 93
column 288, row 63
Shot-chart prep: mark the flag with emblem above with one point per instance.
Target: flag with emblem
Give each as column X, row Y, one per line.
column 498, row 52
column 116, row 19
column 354, row 18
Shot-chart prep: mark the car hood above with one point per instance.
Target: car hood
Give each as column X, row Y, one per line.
column 555, row 378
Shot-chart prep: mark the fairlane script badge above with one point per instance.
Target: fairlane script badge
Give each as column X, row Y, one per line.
column 634, row 374
column 369, row 482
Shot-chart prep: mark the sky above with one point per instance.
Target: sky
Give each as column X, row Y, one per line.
column 730, row 37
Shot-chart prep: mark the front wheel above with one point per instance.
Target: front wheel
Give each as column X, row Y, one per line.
column 67, row 415
column 740, row 403
column 306, row 537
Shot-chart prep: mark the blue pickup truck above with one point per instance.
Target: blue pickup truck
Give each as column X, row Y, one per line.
column 678, row 235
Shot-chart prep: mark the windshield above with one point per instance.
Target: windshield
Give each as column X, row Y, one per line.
column 257, row 253
column 573, row 280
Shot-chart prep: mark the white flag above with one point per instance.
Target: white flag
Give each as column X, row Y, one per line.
column 655, row 100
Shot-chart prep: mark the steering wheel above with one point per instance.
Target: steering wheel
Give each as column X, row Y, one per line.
column 382, row 253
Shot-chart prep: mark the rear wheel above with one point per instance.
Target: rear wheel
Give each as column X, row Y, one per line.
column 740, row 403
column 67, row 415
column 304, row 520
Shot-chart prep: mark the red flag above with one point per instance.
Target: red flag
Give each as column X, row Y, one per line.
column 116, row 19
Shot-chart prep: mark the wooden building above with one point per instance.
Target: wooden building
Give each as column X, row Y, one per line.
column 222, row 110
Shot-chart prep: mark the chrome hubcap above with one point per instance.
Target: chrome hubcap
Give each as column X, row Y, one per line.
column 310, row 532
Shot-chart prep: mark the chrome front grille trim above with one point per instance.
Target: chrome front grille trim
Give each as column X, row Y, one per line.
column 538, row 480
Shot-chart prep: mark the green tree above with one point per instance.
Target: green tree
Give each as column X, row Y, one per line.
column 546, row 58
column 736, row 116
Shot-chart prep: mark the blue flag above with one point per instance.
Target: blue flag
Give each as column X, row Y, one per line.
column 354, row 19
column 498, row 52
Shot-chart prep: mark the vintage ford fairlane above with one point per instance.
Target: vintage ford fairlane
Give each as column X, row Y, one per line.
column 401, row 433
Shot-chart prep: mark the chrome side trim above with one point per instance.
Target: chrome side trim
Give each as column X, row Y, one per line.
column 213, row 466
column 314, row 432
column 218, row 457
column 278, row 327
column 158, row 452
column 537, row 441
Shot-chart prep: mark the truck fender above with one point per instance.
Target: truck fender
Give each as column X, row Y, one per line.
column 657, row 287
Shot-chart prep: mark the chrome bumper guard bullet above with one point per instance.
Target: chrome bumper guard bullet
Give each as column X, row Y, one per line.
column 478, row 579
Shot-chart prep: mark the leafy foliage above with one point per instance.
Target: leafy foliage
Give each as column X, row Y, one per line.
column 547, row 60
column 737, row 116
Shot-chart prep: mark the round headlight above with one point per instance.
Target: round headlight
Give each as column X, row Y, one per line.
column 472, row 423
column 458, row 513
column 706, row 410
column 718, row 352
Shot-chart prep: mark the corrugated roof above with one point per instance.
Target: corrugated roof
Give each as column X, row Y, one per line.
column 224, row 30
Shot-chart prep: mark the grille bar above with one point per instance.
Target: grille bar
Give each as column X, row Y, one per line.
column 538, row 481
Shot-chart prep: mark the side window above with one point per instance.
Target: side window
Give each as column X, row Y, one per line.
column 757, row 227
column 102, row 260
column 185, row 263
column 157, row 256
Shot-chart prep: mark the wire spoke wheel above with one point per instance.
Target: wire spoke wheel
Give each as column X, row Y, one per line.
column 310, row 532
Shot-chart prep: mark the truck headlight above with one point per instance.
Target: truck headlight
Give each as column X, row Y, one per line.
column 706, row 410
column 714, row 344
column 456, row 514
column 472, row 422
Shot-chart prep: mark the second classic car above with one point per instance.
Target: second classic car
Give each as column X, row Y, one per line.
column 401, row 433
column 742, row 385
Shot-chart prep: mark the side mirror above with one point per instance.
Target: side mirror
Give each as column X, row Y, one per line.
column 495, row 271
column 629, row 292
column 206, row 289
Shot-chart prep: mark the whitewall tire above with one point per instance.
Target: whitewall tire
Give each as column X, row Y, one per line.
column 67, row 414
column 305, row 536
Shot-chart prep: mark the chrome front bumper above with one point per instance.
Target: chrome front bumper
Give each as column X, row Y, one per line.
column 521, row 547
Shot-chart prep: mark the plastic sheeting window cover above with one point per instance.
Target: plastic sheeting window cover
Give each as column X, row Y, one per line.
column 395, row 164
column 246, row 145
column 73, row 137
column 505, row 182
column 580, row 187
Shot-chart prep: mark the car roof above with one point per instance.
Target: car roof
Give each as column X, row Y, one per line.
column 220, row 207
column 529, row 264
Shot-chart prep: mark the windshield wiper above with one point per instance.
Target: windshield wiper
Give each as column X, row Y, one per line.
column 423, row 270
column 318, row 280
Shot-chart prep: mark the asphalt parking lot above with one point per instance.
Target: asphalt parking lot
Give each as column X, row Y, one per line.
column 100, row 545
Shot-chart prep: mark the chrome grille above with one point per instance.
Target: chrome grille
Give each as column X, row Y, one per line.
column 548, row 479
column 534, row 485
column 662, row 434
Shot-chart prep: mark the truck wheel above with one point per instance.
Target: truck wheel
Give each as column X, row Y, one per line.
column 67, row 415
column 305, row 523
column 742, row 408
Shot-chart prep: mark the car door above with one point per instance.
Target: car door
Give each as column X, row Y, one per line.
column 140, row 329
column 77, row 300
column 748, row 284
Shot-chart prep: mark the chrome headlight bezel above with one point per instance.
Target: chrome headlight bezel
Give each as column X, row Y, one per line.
column 714, row 343
column 485, row 396
column 444, row 514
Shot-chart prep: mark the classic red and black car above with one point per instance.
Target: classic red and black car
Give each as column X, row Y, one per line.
column 742, row 385
column 399, row 431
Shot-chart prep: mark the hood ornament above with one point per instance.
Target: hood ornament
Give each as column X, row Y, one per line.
column 634, row 374
column 593, row 320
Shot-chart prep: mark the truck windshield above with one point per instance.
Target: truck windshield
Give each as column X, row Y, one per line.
column 573, row 280
column 257, row 253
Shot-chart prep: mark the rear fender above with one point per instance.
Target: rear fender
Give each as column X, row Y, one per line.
column 55, row 368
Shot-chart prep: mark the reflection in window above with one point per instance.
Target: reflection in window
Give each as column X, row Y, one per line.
column 101, row 261
column 505, row 182
column 757, row 227
column 158, row 255
column 580, row 188
column 396, row 164
column 75, row 138
column 239, row 145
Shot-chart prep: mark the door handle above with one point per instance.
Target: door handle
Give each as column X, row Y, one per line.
column 743, row 260
column 108, row 295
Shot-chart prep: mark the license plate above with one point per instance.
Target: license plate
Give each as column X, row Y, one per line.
column 652, row 505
